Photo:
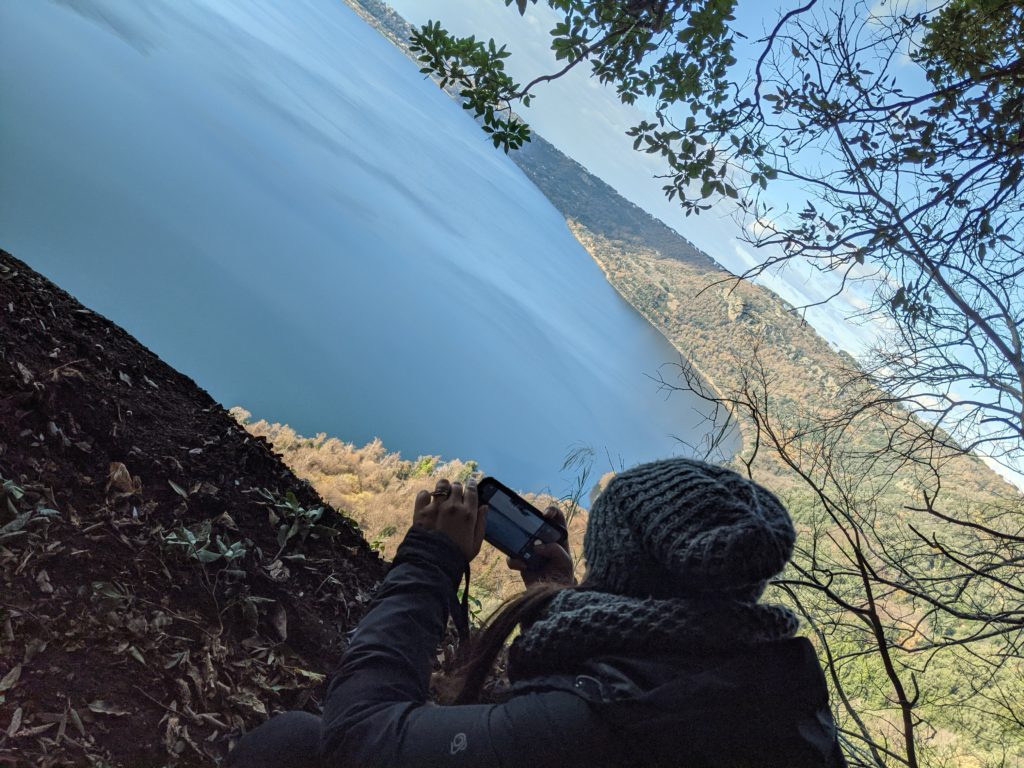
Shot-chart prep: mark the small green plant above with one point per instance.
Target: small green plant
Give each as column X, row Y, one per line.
column 12, row 491
column 200, row 545
column 203, row 545
column 16, row 520
column 580, row 461
column 295, row 523
column 476, row 603
column 381, row 538
column 468, row 470
column 109, row 596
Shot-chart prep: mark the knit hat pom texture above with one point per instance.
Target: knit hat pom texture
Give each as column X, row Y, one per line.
column 684, row 528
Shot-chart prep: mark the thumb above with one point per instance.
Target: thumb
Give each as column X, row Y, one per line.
column 547, row 549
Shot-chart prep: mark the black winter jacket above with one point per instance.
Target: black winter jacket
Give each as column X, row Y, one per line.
column 767, row 707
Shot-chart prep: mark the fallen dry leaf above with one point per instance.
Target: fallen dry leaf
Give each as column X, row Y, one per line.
column 279, row 621
column 77, row 721
column 248, row 701
column 10, row 679
column 120, row 482
column 277, row 571
column 178, row 489
column 35, row 646
column 15, row 722
column 101, row 707
column 314, row 677
column 34, row 731
column 26, row 374
column 62, row 726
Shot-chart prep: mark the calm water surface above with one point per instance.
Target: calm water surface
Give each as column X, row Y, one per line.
column 271, row 197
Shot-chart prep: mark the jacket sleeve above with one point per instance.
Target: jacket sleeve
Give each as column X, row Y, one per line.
column 376, row 712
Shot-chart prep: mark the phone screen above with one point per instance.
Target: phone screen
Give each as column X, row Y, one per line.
column 512, row 522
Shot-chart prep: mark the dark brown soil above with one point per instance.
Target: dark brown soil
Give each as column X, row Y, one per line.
column 118, row 646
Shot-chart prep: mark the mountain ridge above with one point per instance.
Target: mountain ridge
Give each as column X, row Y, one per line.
column 561, row 179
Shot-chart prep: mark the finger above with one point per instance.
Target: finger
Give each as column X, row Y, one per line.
column 558, row 564
column 442, row 490
column 422, row 499
column 555, row 515
column 470, row 495
column 456, row 496
column 481, row 523
column 424, row 510
column 515, row 563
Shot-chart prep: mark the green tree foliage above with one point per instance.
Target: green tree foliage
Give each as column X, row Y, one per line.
column 476, row 70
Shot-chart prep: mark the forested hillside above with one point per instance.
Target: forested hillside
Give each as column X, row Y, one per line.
column 716, row 322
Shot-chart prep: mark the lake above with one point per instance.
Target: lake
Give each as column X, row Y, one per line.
column 273, row 199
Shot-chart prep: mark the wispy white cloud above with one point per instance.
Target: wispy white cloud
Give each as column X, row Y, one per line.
column 854, row 299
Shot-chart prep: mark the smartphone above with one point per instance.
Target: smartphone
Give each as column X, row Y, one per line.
column 513, row 524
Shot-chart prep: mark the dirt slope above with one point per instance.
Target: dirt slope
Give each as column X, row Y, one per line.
column 164, row 578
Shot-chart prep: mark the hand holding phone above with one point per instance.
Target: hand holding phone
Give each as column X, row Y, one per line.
column 454, row 511
column 556, row 560
column 533, row 541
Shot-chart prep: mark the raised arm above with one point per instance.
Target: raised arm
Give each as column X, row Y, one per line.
column 377, row 713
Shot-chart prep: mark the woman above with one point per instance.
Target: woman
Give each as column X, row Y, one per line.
column 662, row 656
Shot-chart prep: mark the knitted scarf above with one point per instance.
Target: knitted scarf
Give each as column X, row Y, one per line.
column 579, row 625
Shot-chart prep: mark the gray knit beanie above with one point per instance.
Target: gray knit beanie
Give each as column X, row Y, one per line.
column 684, row 528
